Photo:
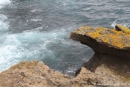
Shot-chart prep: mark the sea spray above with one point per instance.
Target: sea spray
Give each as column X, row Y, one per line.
column 4, row 3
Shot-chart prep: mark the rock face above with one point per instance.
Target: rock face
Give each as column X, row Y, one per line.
column 103, row 40
column 37, row 74
column 112, row 53
column 32, row 74
column 109, row 66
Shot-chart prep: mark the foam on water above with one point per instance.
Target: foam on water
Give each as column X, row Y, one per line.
column 40, row 29
column 11, row 51
column 4, row 2
column 28, row 45
column 3, row 25
column 52, row 47
column 33, row 44
column 114, row 24
column 122, row 23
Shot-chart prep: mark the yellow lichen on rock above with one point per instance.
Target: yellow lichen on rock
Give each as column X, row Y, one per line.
column 113, row 40
column 117, row 38
column 96, row 33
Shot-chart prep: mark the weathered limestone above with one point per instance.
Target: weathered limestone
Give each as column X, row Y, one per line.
column 32, row 74
column 104, row 40
column 109, row 66
column 111, row 60
column 37, row 74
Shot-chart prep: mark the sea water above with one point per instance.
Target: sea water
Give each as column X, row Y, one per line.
column 40, row 30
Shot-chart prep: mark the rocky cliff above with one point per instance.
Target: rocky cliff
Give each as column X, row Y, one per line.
column 109, row 66
column 112, row 53
column 37, row 74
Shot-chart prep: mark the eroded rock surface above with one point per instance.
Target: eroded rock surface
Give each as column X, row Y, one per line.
column 37, row 74
column 111, row 60
column 104, row 40
column 32, row 74
column 109, row 67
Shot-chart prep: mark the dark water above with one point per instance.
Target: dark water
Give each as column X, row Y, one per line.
column 40, row 29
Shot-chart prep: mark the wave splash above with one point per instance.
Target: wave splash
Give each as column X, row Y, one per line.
column 4, row 3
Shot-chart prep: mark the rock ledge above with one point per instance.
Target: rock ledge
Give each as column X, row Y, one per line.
column 112, row 53
column 109, row 66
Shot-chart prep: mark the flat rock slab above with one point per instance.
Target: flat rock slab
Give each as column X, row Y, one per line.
column 115, row 42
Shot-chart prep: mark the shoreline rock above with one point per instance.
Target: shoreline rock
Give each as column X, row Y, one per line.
column 37, row 74
column 111, row 60
column 109, row 66
column 104, row 40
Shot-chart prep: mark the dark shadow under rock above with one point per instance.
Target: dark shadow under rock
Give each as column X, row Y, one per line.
column 119, row 66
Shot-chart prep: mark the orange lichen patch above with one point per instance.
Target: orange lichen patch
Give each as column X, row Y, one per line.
column 111, row 40
column 96, row 33
column 118, row 39
column 105, row 39
column 117, row 32
column 101, row 28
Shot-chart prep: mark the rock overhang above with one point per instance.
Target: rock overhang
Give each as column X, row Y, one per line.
column 112, row 37
column 105, row 40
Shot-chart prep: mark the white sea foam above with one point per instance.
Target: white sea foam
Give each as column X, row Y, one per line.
column 114, row 24
column 29, row 45
column 4, row 27
column 4, row 2
column 122, row 23
column 11, row 51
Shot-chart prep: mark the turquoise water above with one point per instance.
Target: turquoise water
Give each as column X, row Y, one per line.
column 40, row 29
